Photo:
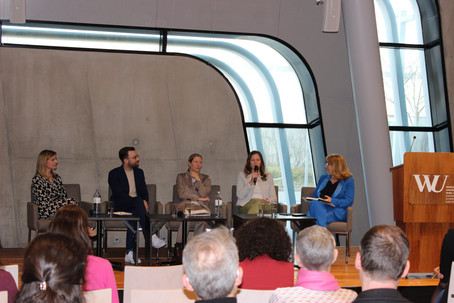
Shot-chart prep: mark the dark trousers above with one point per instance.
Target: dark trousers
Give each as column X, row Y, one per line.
column 137, row 208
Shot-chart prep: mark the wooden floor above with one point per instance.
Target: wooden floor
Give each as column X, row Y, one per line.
column 346, row 274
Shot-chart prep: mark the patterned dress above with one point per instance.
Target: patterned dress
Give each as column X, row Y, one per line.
column 49, row 196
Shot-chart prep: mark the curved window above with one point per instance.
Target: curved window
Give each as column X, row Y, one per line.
column 413, row 76
column 274, row 86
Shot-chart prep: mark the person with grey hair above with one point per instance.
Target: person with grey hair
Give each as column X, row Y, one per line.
column 211, row 266
column 315, row 252
column 382, row 260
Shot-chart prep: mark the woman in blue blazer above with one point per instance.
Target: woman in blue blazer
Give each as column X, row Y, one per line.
column 336, row 186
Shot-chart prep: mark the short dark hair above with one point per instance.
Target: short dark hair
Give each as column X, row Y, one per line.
column 263, row 236
column 53, row 271
column 384, row 252
column 123, row 153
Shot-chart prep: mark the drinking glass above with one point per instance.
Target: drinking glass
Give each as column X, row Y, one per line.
column 110, row 208
column 174, row 210
column 261, row 209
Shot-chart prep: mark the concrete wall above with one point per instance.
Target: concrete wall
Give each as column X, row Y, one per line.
column 86, row 106
column 96, row 103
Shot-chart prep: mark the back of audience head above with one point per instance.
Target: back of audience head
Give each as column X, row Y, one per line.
column 53, row 270
column 383, row 253
column 262, row 236
column 72, row 221
column 315, row 249
column 211, row 265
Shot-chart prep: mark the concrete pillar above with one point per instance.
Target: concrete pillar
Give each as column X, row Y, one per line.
column 370, row 107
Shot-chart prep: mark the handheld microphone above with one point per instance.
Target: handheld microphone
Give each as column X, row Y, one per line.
column 412, row 142
column 256, row 169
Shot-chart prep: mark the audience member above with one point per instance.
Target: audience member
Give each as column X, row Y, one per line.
column 336, row 186
column 7, row 283
column 211, row 266
column 53, row 271
column 443, row 271
column 130, row 194
column 47, row 187
column 72, row 221
column 264, row 250
column 254, row 186
column 193, row 189
column 382, row 260
column 315, row 252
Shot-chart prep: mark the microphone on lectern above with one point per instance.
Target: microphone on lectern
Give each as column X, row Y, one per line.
column 256, row 169
column 412, row 142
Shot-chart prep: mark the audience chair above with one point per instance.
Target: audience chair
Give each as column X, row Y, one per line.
column 180, row 295
column 173, row 226
column 14, row 271
column 337, row 228
column 40, row 226
column 151, row 277
column 252, row 295
column 98, row 296
column 154, row 207
column 281, row 207
column 4, row 296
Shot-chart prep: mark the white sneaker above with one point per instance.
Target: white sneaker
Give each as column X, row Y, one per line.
column 129, row 258
column 156, row 242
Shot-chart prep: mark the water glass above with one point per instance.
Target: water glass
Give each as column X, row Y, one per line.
column 110, row 208
column 261, row 209
column 174, row 210
column 273, row 210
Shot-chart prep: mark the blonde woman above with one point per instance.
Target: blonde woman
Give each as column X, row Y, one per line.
column 336, row 186
column 47, row 186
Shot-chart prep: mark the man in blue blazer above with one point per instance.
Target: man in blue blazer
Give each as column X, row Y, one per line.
column 130, row 194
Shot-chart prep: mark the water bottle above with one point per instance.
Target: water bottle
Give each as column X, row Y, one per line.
column 96, row 203
column 218, row 205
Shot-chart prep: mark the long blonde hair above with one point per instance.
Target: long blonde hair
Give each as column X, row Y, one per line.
column 41, row 164
column 339, row 168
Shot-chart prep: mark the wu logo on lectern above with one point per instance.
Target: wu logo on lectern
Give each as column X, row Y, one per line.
column 432, row 186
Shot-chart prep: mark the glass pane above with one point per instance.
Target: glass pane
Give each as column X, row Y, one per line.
column 398, row 21
column 270, row 90
column 297, row 153
column 405, row 83
column 436, row 85
column 402, row 141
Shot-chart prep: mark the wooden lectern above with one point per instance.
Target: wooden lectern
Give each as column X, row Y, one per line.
column 423, row 194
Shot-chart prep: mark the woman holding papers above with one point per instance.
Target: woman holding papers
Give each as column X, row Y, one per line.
column 337, row 187
column 193, row 189
column 255, row 186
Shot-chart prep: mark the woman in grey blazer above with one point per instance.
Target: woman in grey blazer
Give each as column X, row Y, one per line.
column 255, row 186
column 193, row 186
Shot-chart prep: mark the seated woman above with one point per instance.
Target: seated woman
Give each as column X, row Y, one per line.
column 53, row 270
column 47, row 187
column 336, row 186
column 255, row 186
column 193, row 186
column 72, row 221
column 264, row 250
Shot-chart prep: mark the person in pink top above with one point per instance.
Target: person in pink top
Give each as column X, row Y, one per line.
column 71, row 220
column 265, row 249
column 315, row 252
